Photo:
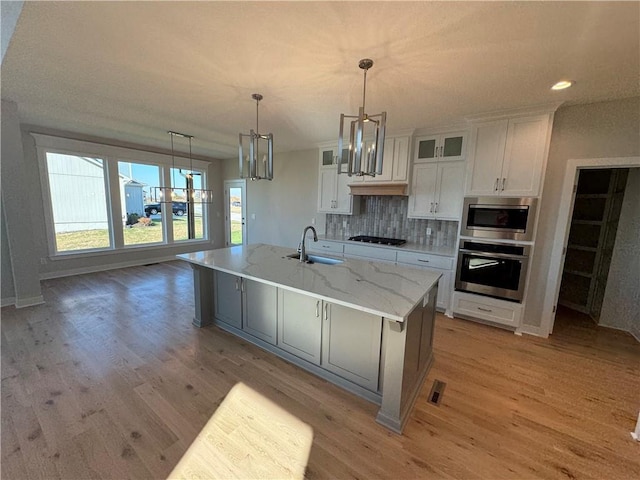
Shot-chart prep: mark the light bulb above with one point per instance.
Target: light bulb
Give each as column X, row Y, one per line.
column 561, row 85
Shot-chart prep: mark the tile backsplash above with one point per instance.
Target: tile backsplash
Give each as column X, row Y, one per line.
column 386, row 216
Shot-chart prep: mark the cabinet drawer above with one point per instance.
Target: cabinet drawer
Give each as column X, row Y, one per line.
column 373, row 253
column 325, row 246
column 425, row 260
column 484, row 308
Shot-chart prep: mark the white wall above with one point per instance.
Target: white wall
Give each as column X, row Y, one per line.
column 621, row 305
column 17, row 186
column 599, row 130
column 285, row 205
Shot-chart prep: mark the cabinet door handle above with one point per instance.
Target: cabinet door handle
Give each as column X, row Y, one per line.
column 424, row 261
column 242, row 284
column 485, row 309
column 431, row 209
column 317, row 308
column 436, row 209
column 237, row 286
column 503, row 182
column 496, row 185
column 326, row 311
column 324, row 246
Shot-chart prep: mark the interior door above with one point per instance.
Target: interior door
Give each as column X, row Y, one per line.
column 235, row 208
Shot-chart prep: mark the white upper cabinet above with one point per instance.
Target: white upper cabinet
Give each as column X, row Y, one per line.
column 435, row 148
column 395, row 162
column 507, row 156
column 437, row 190
column 333, row 189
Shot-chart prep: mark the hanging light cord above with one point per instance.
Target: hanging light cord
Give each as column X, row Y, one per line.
column 257, row 124
column 173, row 166
column 364, row 90
column 190, row 159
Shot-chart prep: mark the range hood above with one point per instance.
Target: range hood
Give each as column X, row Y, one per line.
column 365, row 188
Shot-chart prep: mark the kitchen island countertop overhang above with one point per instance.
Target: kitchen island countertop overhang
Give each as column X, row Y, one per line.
column 383, row 289
column 365, row 326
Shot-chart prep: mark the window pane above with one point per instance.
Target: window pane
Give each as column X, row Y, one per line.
column 141, row 216
column 235, row 215
column 187, row 224
column 79, row 202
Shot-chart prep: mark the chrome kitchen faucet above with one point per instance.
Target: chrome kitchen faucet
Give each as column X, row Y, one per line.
column 301, row 248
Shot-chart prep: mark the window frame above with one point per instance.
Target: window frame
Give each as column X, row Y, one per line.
column 111, row 155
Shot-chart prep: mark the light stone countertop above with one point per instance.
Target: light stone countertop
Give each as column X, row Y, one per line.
column 382, row 289
column 445, row 251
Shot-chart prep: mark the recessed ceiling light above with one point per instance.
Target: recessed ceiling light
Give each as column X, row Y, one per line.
column 561, row 85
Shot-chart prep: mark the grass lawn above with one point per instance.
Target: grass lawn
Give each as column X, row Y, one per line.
column 236, row 232
column 88, row 239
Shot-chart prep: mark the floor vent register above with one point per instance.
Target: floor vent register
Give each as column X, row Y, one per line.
column 437, row 390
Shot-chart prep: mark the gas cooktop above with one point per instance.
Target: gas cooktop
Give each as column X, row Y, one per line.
column 381, row 240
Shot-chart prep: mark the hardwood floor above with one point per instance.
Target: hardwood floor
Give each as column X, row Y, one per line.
column 109, row 379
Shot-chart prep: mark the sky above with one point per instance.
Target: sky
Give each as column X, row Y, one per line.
column 150, row 175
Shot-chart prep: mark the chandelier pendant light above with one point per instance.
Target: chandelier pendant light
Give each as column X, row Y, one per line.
column 366, row 137
column 189, row 194
column 252, row 166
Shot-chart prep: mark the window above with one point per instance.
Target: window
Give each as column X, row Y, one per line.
column 141, row 214
column 99, row 197
column 78, row 202
column 185, row 224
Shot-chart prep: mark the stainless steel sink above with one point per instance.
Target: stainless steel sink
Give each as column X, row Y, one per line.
column 317, row 259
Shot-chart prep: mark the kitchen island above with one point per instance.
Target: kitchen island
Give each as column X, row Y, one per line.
column 365, row 326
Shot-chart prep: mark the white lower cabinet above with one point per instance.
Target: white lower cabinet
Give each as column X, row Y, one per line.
column 365, row 252
column 300, row 325
column 351, row 344
column 323, row 246
column 436, row 264
column 487, row 308
column 246, row 305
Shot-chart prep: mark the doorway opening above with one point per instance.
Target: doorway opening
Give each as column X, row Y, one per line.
column 592, row 235
column 619, row 308
column 235, row 207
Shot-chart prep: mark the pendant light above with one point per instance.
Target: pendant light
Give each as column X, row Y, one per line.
column 189, row 193
column 366, row 137
column 251, row 166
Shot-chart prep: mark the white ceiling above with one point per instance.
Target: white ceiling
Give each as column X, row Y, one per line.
column 133, row 70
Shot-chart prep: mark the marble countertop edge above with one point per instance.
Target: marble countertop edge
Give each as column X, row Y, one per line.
column 384, row 290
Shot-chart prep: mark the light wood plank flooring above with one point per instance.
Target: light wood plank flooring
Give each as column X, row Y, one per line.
column 109, row 379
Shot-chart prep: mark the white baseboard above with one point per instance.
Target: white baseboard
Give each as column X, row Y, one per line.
column 5, row 302
column 29, row 301
column 531, row 330
column 104, row 268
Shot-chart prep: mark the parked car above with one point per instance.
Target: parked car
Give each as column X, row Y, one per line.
column 179, row 208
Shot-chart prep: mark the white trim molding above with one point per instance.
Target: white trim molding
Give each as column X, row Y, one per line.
column 29, row 301
column 7, row 302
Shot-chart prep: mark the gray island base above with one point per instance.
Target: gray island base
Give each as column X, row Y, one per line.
column 364, row 326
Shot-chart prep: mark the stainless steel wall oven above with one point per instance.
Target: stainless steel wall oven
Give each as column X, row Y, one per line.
column 497, row 270
column 507, row 218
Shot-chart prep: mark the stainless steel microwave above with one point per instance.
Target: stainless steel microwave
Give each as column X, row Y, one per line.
column 509, row 218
